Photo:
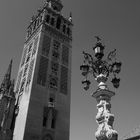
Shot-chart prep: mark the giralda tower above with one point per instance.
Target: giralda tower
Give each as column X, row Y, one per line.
column 44, row 77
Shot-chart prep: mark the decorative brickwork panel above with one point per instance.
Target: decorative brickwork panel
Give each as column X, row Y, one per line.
column 46, row 45
column 25, row 70
column 28, row 57
column 65, row 55
column 42, row 72
column 35, row 45
column 30, row 72
column 64, row 80
column 19, row 80
column 22, row 85
column 30, row 48
column 24, row 56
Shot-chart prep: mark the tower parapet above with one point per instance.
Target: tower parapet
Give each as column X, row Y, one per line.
column 50, row 16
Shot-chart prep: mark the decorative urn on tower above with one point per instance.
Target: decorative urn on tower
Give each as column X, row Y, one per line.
column 101, row 69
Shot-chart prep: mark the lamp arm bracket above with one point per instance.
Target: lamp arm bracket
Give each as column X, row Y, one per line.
column 88, row 57
column 111, row 55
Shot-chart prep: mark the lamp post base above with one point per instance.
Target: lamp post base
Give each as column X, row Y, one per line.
column 104, row 117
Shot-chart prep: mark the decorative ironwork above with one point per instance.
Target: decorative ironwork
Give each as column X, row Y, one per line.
column 101, row 69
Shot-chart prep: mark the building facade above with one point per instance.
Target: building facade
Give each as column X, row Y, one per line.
column 134, row 138
column 134, row 134
column 44, row 77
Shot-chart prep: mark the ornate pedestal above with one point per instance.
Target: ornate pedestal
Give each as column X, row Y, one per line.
column 104, row 117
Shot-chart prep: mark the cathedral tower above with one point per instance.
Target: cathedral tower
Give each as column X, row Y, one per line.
column 7, row 105
column 44, row 77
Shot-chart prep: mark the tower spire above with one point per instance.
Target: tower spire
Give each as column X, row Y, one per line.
column 7, row 78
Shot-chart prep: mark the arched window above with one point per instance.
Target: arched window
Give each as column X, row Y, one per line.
column 47, row 18
column 48, row 137
column 58, row 23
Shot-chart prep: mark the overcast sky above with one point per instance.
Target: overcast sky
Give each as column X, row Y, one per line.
column 117, row 22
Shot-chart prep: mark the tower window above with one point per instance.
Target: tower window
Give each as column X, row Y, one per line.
column 51, row 99
column 45, row 112
column 55, row 8
column 47, row 18
column 58, row 23
column 52, row 21
column 68, row 31
column 51, row 102
column 48, row 137
column 44, row 121
column 56, row 49
column 53, row 119
column 53, row 82
column 55, row 55
column 54, row 68
column 42, row 72
column 56, row 45
column 53, row 123
column 64, row 28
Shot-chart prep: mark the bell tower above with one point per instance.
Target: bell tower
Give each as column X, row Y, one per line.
column 44, row 77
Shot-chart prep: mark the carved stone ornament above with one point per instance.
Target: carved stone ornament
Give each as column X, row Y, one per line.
column 105, row 121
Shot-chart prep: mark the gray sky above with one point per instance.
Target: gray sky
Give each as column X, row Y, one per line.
column 118, row 22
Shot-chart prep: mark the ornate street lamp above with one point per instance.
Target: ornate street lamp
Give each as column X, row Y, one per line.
column 85, row 69
column 101, row 70
column 86, row 84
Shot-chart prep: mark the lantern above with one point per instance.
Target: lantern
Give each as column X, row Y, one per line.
column 116, row 82
column 85, row 69
column 99, row 50
column 86, row 84
column 117, row 67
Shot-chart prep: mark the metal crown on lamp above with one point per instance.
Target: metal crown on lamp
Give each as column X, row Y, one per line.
column 101, row 70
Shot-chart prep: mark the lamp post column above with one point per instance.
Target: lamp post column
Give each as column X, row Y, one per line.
column 101, row 70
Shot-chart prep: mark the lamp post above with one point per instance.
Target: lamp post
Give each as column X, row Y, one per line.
column 102, row 69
